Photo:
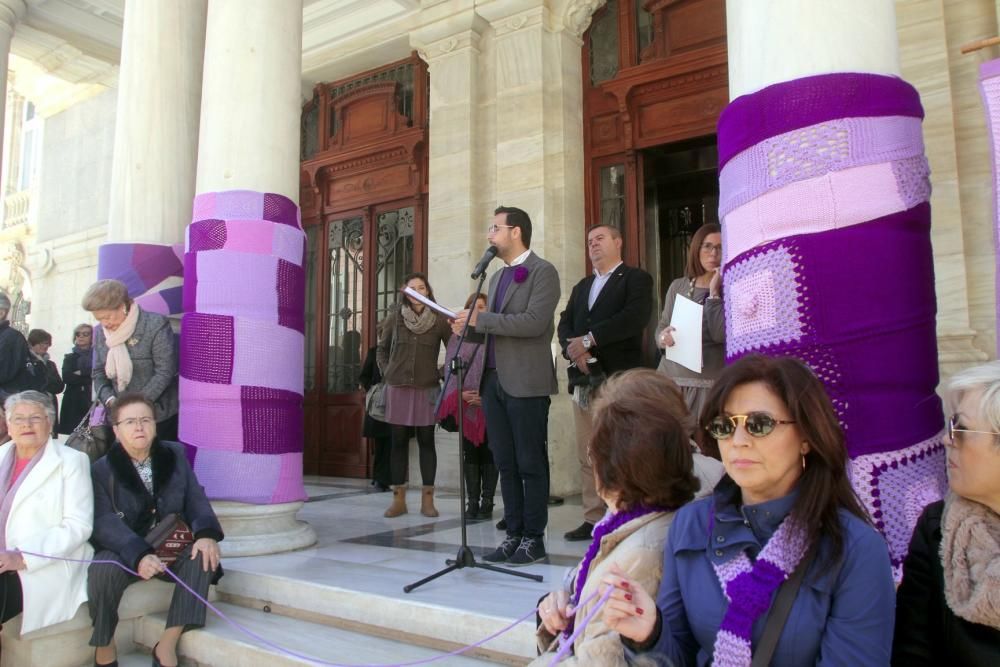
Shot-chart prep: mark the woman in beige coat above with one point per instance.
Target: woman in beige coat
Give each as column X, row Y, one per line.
column 644, row 468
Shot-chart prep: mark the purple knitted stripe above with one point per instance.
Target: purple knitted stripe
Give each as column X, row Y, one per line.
column 788, row 106
column 113, row 259
column 816, row 150
column 989, row 90
column 207, row 348
column 272, row 420
column 731, row 651
column 754, row 590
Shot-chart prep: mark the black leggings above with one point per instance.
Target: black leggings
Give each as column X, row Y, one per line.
column 400, row 459
column 11, row 603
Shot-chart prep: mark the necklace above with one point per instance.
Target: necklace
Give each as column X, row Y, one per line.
column 750, row 588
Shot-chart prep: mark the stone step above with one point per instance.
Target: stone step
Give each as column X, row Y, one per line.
column 460, row 609
column 218, row 644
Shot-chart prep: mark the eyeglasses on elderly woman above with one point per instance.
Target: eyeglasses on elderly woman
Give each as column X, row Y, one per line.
column 955, row 427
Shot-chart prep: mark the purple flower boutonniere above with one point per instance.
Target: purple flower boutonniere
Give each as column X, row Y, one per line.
column 520, row 274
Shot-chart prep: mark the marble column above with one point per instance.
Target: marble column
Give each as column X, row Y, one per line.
column 11, row 12
column 537, row 91
column 246, row 206
column 156, row 124
column 824, row 198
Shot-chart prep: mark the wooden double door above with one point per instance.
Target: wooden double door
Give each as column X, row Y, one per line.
column 363, row 196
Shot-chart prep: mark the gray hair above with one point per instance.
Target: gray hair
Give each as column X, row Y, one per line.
column 984, row 378
column 30, row 396
column 106, row 294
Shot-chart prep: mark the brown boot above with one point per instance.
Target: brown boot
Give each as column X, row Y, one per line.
column 398, row 506
column 427, row 502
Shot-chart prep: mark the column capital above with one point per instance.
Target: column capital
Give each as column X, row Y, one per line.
column 448, row 35
column 11, row 11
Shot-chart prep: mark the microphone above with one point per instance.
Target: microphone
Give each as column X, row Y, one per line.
column 491, row 252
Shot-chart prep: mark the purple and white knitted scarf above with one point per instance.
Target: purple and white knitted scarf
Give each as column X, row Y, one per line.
column 750, row 589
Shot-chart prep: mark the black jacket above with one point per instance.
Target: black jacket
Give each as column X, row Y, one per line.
column 927, row 631
column 76, row 398
column 175, row 490
column 16, row 370
column 370, row 376
column 617, row 321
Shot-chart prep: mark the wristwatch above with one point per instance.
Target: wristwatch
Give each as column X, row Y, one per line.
column 586, row 341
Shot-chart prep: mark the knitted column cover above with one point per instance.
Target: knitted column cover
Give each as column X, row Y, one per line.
column 242, row 346
column 141, row 267
column 989, row 86
column 824, row 192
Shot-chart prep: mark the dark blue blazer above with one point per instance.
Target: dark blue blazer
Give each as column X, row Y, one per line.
column 119, row 526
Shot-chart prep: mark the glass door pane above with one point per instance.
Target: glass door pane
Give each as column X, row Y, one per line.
column 394, row 231
column 345, row 317
column 312, row 252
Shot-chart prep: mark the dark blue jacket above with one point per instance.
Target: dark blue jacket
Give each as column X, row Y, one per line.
column 175, row 490
column 842, row 615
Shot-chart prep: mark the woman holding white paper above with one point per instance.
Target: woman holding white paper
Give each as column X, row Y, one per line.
column 701, row 283
column 407, row 355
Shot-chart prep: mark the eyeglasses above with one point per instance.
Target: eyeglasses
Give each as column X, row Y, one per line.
column 757, row 424
column 711, row 247
column 494, row 228
column 131, row 422
column 953, row 428
column 82, row 334
column 34, row 420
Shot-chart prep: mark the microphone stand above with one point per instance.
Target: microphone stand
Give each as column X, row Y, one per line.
column 465, row 558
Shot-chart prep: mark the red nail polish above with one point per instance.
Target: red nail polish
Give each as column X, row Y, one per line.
column 628, row 596
column 624, row 584
column 639, row 611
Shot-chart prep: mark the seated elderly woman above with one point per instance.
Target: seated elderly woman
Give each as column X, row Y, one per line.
column 644, row 469
column 785, row 516
column 133, row 351
column 47, row 507
column 948, row 606
column 140, row 481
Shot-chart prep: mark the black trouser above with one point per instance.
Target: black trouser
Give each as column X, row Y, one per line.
column 106, row 585
column 167, row 429
column 518, row 431
column 401, row 453
column 380, row 460
column 11, row 601
column 477, row 455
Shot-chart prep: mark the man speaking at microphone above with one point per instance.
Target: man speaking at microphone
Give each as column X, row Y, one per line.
column 517, row 381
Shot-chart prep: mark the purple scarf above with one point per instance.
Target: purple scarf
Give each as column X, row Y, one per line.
column 609, row 524
column 6, row 472
column 750, row 588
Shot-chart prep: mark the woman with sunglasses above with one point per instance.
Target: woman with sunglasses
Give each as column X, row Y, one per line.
column 784, row 504
column 948, row 606
column 76, row 369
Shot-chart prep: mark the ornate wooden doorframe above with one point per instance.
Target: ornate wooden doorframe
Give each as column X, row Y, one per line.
column 654, row 72
column 363, row 194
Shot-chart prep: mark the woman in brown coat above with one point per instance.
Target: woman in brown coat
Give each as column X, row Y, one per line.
column 411, row 339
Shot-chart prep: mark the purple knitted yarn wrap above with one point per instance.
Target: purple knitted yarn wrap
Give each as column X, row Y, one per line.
column 242, row 346
column 853, row 298
column 989, row 88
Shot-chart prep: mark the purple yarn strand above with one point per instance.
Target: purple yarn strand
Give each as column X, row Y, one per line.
column 566, row 643
column 269, row 644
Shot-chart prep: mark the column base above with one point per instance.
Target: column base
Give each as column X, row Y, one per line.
column 957, row 350
column 255, row 530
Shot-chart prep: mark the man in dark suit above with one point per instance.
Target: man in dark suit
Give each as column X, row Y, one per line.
column 601, row 333
column 518, row 379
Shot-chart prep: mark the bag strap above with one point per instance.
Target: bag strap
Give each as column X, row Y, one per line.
column 778, row 616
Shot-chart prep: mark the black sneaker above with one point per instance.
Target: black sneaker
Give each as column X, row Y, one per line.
column 585, row 531
column 503, row 552
column 531, row 550
column 502, row 524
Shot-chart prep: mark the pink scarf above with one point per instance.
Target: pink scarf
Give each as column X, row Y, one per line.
column 119, row 364
column 11, row 486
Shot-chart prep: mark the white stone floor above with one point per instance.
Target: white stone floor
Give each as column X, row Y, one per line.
column 358, row 568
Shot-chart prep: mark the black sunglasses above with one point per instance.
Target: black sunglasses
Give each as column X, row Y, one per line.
column 757, row 424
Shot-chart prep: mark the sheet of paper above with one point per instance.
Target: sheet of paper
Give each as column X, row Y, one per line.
column 427, row 302
column 686, row 320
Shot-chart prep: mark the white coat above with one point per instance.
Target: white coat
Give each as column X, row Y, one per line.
column 52, row 513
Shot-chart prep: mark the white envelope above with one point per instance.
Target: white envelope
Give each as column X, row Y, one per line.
column 686, row 321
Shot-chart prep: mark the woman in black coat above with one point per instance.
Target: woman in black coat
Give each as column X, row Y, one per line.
column 76, row 369
column 140, row 481
column 948, row 605
column 377, row 430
